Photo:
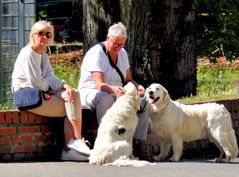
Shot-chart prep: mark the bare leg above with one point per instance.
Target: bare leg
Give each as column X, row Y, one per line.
column 76, row 126
column 72, row 129
column 68, row 133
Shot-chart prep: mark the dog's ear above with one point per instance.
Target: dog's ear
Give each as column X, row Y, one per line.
column 166, row 97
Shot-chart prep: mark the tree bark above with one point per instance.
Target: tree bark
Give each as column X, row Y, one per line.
column 138, row 33
column 97, row 17
column 172, row 46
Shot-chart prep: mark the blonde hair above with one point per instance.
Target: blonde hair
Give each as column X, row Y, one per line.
column 117, row 30
column 37, row 27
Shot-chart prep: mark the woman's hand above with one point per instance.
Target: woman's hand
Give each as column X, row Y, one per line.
column 71, row 93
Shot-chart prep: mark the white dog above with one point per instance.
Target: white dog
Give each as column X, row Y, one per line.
column 175, row 123
column 113, row 144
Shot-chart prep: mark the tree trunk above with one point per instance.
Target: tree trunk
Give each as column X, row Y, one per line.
column 172, row 46
column 97, row 17
column 138, row 33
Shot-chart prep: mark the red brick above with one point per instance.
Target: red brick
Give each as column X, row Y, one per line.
column 27, row 139
column 38, row 119
column 237, row 115
column 8, row 130
column 39, row 138
column 15, row 117
column 45, row 128
column 233, row 116
column 41, row 147
column 6, row 149
column 5, row 140
column 235, row 105
column 8, row 115
column 23, row 117
column 17, row 139
column 49, row 138
column 25, row 148
column 45, row 119
column 29, row 129
column 228, row 105
column 31, row 118
column 236, row 124
column 2, row 120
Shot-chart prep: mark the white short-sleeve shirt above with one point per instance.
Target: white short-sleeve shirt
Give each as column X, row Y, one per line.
column 96, row 60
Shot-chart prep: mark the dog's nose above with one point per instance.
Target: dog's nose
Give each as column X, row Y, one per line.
column 151, row 93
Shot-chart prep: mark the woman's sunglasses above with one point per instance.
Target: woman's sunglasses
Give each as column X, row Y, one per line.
column 47, row 34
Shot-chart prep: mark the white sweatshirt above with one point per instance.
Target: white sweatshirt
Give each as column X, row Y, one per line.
column 32, row 69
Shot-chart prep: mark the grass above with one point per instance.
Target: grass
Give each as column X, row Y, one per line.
column 217, row 72
column 215, row 82
column 70, row 73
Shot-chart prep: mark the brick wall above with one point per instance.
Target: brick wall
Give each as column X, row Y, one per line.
column 25, row 136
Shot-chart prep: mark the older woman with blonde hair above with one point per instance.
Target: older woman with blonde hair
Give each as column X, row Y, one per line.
column 33, row 69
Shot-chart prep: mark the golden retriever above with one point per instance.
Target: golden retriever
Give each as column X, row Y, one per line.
column 113, row 144
column 176, row 123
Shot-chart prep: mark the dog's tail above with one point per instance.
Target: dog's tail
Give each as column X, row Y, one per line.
column 129, row 162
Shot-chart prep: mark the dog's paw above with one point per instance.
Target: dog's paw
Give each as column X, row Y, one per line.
column 172, row 159
column 160, row 158
column 156, row 158
column 220, row 160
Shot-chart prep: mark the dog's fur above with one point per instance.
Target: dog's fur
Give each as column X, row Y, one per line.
column 176, row 123
column 113, row 145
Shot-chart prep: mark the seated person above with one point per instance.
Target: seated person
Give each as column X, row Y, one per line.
column 33, row 69
column 100, row 84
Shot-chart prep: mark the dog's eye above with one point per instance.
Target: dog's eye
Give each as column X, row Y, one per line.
column 157, row 88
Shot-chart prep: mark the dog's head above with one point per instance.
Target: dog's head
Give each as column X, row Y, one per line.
column 132, row 93
column 156, row 94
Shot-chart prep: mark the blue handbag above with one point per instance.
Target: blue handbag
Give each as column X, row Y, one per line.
column 27, row 98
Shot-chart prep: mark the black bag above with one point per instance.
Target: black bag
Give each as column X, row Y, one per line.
column 27, row 98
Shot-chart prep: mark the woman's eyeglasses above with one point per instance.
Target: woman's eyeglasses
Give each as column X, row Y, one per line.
column 116, row 44
column 47, row 34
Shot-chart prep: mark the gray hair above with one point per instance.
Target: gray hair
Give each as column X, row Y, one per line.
column 37, row 27
column 117, row 30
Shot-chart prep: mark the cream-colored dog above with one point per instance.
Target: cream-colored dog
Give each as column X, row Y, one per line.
column 113, row 144
column 176, row 123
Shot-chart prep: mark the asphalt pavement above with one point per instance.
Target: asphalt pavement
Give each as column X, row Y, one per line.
column 186, row 168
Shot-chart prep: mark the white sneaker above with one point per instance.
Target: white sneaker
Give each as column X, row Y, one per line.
column 80, row 146
column 73, row 155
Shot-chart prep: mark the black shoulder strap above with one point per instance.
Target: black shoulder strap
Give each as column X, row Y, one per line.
column 112, row 64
